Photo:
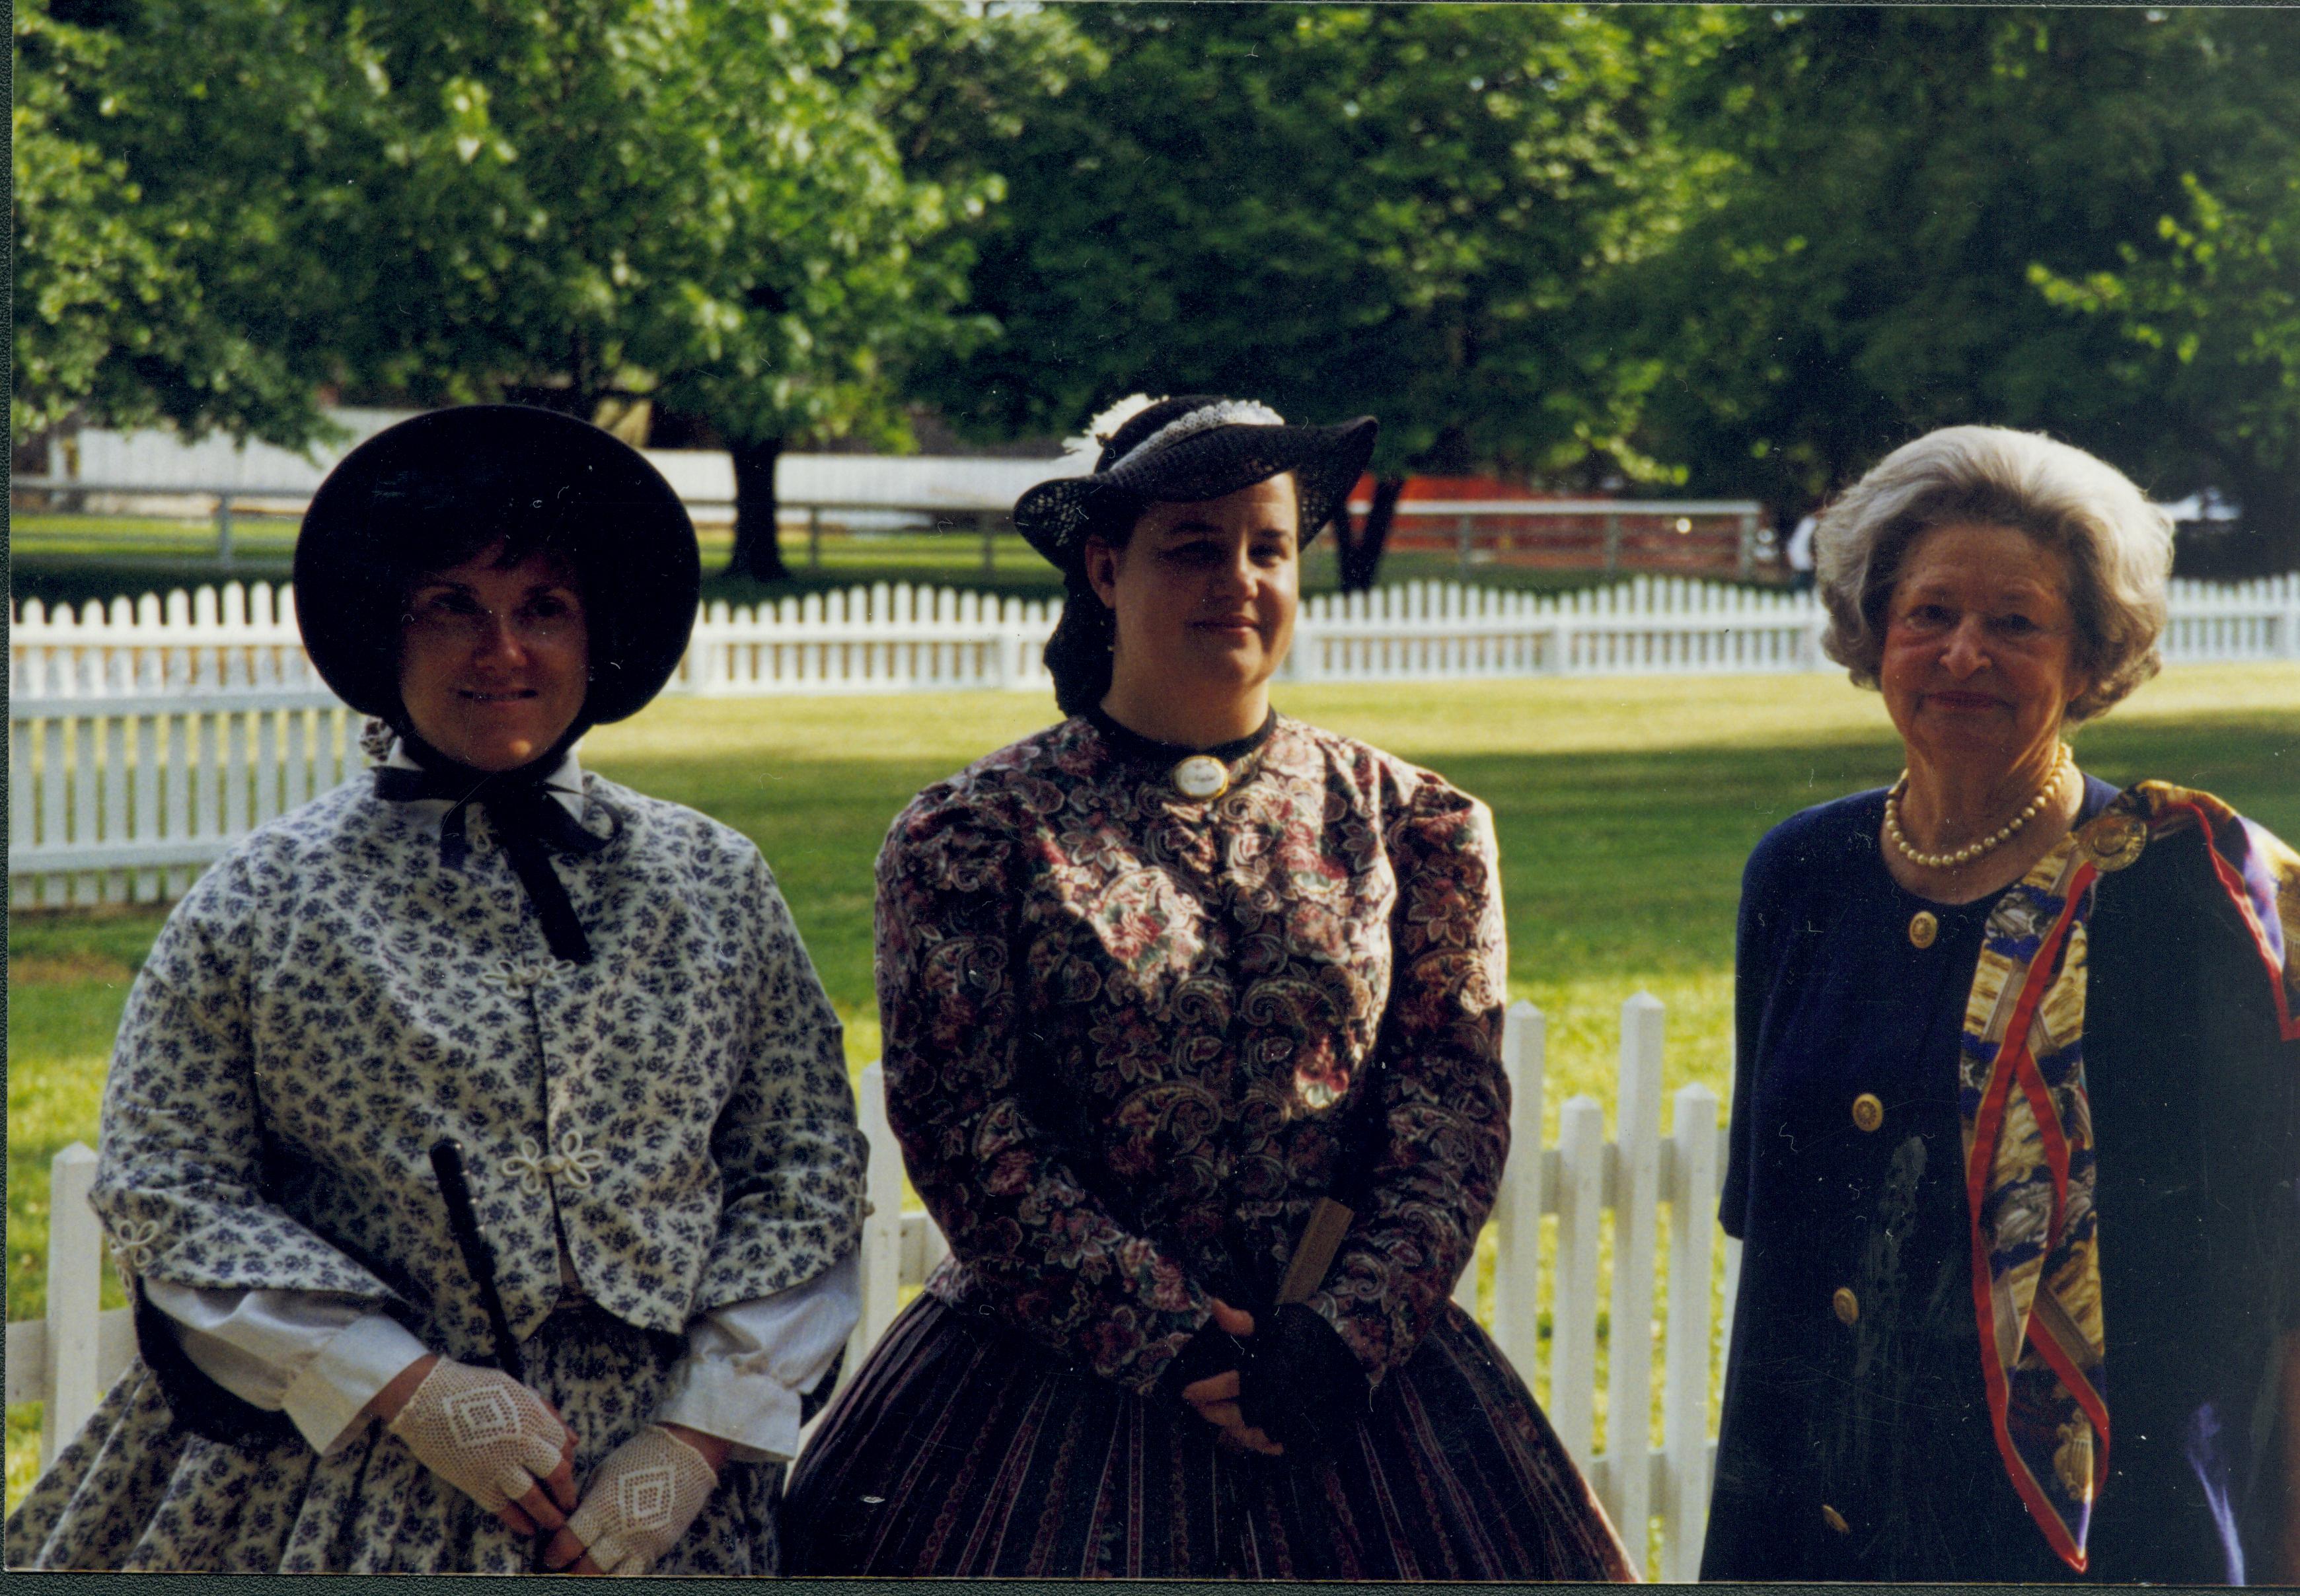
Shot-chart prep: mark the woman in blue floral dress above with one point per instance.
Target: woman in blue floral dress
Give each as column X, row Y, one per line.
column 598, row 995
column 1153, row 984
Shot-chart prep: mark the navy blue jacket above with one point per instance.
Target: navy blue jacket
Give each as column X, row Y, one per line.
column 1863, row 1449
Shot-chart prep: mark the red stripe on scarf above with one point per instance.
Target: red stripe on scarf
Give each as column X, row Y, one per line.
column 1988, row 1125
column 2233, row 883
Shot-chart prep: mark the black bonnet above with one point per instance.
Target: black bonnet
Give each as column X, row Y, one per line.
column 444, row 485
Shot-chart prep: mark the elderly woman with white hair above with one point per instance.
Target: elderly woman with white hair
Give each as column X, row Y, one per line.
column 2011, row 1152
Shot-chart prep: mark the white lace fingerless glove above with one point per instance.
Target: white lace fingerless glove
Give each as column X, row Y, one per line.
column 481, row 1431
column 641, row 1501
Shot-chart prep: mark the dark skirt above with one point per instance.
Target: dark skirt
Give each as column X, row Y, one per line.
column 961, row 1449
column 135, row 1490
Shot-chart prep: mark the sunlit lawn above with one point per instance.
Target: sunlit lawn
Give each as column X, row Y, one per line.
column 1625, row 806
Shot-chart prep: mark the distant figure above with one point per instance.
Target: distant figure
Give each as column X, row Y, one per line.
column 1799, row 553
column 598, row 995
column 1193, row 1043
column 2013, row 1149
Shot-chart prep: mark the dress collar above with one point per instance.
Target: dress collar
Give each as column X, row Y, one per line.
column 564, row 784
column 1133, row 746
column 1192, row 774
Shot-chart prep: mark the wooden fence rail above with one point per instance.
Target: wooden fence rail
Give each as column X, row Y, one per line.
column 1542, row 1296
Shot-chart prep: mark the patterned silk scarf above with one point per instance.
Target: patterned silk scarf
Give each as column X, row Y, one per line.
column 2028, row 1134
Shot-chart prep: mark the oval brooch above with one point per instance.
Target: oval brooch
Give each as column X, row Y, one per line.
column 1202, row 777
column 2115, row 841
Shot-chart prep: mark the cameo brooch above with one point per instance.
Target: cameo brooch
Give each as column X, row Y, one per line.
column 1201, row 777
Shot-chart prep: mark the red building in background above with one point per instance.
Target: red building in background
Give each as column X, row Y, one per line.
column 1475, row 519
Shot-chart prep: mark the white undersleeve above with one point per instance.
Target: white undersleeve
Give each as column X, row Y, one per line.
column 322, row 1357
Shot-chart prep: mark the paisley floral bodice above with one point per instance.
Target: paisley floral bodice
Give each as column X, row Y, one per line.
column 1125, row 1031
column 333, row 997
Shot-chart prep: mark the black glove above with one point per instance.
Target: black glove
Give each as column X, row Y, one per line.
column 1300, row 1384
column 1206, row 1354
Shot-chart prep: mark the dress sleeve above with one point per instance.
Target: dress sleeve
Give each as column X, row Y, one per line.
column 180, row 1183
column 320, row 1359
column 788, row 1152
column 1752, row 978
column 1064, row 1271
column 748, row 1365
column 1442, row 1090
column 2252, row 878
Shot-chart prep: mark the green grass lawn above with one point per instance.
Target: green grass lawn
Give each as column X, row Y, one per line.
column 1625, row 806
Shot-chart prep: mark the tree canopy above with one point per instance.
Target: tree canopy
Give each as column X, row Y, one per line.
column 1746, row 252
column 1395, row 209
column 2062, row 220
column 698, row 203
column 1341, row 209
column 155, row 280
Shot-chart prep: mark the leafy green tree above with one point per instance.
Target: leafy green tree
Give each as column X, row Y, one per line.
column 2212, row 324
column 1405, row 210
column 150, row 287
column 701, row 205
column 1938, row 216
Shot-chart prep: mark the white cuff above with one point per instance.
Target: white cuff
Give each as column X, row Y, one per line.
column 748, row 1362
column 756, row 1414
column 326, row 1399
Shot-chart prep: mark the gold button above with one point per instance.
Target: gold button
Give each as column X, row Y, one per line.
column 1923, row 928
column 1835, row 1520
column 1847, row 1305
column 1868, row 1112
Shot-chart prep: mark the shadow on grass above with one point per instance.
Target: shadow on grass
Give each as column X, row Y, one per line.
column 1613, row 864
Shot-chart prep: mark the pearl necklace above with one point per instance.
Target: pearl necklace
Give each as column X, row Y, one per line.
column 1971, row 851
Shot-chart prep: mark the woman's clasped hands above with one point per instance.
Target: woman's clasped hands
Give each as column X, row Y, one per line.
column 1215, row 1397
column 488, row 1436
column 508, row 1450
column 639, row 1502
column 1289, row 1381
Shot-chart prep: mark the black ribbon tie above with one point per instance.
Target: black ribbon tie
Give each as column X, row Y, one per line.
column 531, row 823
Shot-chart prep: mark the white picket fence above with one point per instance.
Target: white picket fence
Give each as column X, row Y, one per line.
column 896, row 637
column 146, row 737
column 67, row 1360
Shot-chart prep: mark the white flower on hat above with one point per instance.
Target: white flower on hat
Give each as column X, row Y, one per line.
column 1105, row 427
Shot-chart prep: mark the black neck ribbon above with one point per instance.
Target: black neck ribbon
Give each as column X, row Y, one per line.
column 532, row 824
column 1131, row 743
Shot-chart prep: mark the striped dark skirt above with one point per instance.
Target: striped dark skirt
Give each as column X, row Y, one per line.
column 961, row 1449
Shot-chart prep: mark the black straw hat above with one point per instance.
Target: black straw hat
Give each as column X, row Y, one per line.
column 443, row 486
column 1194, row 447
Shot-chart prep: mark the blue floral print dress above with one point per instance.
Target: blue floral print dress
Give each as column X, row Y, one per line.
column 663, row 1131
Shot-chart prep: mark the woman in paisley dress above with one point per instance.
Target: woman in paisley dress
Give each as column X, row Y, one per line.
column 2013, row 1149
column 598, row 995
column 1155, row 982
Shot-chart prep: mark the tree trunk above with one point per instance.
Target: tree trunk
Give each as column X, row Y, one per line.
column 1359, row 547
column 757, row 554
